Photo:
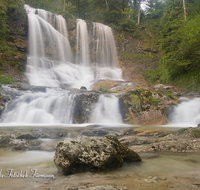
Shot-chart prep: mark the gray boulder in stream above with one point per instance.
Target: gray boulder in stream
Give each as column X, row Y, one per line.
column 92, row 154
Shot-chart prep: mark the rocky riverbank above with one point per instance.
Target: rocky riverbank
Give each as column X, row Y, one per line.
column 139, row 139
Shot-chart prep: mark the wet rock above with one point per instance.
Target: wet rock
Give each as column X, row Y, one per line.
column 29, row 136
column 95, row 132
column 83, row 88
column 4, row 141
column 92, row 154
column 10, row 142
column 19, row 144
column 163, row 88
column 49, row 133
column 130, row 132
column 84, row 105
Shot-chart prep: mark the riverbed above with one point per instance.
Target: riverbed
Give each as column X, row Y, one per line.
column 35, row 169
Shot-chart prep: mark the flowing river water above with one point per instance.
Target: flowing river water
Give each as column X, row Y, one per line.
column 156, row 171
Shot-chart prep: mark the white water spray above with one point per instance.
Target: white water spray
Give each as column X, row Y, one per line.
column 107, row 110
column 54, row 106
column 187, row 113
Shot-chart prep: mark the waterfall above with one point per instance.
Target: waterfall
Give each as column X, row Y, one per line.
column 82, row 49
column 107, row 110
column 48, row 48
column 186, row 113
column 53, row 106
column 104, row 54
column 49, row 60
column 49, row 64
column 104, row 46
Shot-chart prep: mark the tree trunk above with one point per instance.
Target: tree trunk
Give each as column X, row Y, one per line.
column 184, row 9
column 67, row 4
column 64, row 6
column 107, row 5
column 139, row 13
column 78, row 9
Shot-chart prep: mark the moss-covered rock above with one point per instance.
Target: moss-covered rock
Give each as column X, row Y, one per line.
column 147, row 107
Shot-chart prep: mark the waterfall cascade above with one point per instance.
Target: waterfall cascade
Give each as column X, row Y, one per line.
column 41, row 107
column 49, row 64
column 186, row 113
column 49, row 61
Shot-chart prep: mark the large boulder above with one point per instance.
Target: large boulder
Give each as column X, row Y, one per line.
column 92, row 154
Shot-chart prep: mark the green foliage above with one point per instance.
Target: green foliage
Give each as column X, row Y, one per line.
column 10, row 53
column 155, row 101
column 3, row 18
column 6, row 80
column 104, row 87
column 116, row 12
column 155, row 9
column 179, row 43
column 195, row 133
column 128, row 22
column 183, row 129
column 170, row 95
column 104, row 90
column 135, row 100
column 134, row 57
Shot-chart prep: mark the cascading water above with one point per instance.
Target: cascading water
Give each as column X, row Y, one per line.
column 46, row 45
column 82, row 49
column 104, row 46
column 104, row 54
column 57, row 21
column 41, row 107
column 49, row 61
column 107, row 110
column 49, row 65
column 187, row 113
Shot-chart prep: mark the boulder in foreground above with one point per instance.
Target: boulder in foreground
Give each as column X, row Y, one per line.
column 92, row 154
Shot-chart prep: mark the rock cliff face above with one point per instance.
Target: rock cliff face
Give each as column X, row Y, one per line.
column 18, row 27
column 136, row 54
column 14, row 60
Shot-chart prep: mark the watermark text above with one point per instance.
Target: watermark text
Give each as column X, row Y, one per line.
column 10, row 173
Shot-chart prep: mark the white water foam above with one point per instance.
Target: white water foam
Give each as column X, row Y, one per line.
column 186, row 114
column 107, row 110
column 51, row 107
